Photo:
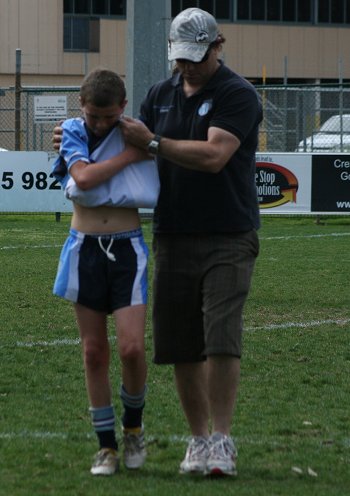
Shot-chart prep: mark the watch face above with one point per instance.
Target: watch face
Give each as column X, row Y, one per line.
column 153, row 146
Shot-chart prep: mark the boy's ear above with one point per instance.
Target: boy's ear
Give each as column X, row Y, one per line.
column 124, row 104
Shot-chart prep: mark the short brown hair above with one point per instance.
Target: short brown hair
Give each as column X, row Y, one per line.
column 102, row 88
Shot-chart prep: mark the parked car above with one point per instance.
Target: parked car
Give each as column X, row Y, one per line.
column 333, row 136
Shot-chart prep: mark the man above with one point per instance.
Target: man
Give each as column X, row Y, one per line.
column 202, row 124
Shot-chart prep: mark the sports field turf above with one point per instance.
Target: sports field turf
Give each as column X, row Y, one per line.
column 292, row 422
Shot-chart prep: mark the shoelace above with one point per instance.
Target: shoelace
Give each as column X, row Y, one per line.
column 110, row 255
column 134, row 443
column 198, row 447
column 222, row 447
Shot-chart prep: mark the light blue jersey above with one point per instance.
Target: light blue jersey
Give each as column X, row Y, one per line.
column 137, row 185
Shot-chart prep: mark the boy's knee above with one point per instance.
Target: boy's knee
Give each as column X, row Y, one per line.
column 95, row 356
column 132, row 351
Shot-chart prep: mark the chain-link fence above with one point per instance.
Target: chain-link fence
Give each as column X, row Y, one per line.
column 33, row 135
column 305, row 118
column 296, row 118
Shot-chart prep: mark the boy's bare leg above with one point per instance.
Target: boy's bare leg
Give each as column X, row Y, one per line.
column 130, row 323
column 95, row 348
column 93, row 332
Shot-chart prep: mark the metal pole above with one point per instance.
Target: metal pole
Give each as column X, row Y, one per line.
column 285, row 98
column 18, row 90
column 341, row 102
column 147, row 33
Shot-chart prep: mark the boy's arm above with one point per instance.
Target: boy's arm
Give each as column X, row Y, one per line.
column 89, row 175
column 86, row 174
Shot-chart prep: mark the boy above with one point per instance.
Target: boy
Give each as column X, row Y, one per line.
column 103, row 270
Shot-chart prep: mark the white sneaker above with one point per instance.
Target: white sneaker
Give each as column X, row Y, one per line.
column 195, row 460
column 106, row 462
column 222, row 455
column 134, row 448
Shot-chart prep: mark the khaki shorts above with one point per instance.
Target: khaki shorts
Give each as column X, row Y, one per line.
column 200, row 286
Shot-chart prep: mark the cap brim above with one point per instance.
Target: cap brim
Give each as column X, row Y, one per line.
column 188, row 51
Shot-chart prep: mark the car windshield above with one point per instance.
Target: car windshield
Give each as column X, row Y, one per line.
column 333, row 125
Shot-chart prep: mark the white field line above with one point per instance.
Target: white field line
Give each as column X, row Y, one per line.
column 28, row 247
column 329, row 235
column 302, row 325
column 269, row 327
column 90, row 435
column 149, row 439
column 267, row 238
column 243, row 440
column 37, row 435
column 54, row 342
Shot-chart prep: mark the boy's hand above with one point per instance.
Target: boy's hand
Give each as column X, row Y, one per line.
column 57, row 137
column 136, row 154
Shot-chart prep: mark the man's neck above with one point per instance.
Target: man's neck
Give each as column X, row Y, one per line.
column 191, row 88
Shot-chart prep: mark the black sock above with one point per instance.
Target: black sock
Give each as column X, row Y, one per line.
column 107, row 440
column 133, row 408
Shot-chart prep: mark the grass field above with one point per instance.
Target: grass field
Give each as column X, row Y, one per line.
column 292, row 422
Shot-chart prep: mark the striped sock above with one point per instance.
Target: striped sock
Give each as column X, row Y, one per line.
column 133, row 408
column 103, row 421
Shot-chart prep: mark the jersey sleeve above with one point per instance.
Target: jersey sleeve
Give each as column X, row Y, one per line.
column 74, row 146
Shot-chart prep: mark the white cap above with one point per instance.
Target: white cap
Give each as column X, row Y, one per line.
column 191, row 33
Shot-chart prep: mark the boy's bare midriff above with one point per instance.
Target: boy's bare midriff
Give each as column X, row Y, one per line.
column 99, row 220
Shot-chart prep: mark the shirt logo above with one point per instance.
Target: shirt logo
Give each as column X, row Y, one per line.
column 163, row 108
column 205, row 108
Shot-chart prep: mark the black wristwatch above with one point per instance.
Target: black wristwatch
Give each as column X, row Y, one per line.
column 153, row 145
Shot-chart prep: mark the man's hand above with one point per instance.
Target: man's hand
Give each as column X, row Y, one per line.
column 57, row 138
column 135, row 132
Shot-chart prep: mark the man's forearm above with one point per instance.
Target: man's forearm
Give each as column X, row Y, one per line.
column 195, row 155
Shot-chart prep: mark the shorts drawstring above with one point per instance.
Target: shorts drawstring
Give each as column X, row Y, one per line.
column 110, row 255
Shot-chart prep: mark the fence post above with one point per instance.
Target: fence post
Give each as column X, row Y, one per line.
column 146, row 61
column 18, row 90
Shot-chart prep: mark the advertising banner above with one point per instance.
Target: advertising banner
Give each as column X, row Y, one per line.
column 330, row 183
column 283, row 182
column 27, row 185
column 287, row 183
column 303, row 183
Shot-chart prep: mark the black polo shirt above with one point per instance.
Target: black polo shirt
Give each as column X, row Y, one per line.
column 200, row 202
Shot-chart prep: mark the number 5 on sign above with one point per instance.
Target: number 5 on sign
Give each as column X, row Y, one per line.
column 27, row 184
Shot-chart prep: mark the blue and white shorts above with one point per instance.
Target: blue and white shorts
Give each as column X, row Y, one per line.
column 103, row 272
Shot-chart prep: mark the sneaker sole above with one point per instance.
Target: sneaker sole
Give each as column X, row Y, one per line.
column 192, row 472
column 134, row 465
column 219, row 472
column 104, row 472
